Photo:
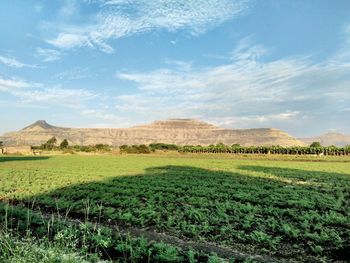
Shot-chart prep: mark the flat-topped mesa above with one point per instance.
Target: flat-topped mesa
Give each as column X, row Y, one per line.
column 181, row 124
column 173, row 131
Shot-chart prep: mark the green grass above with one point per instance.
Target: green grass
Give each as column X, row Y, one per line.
column 14, row 249
column 289, row 209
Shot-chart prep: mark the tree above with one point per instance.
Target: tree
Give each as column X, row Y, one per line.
column 52, row 141
column 1, row 144
column 64, row 144
column 163, row 147
column 135, row 149
column 49, row 144
column 315, row 145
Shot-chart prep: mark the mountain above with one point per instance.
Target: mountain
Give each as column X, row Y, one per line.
column 176, row 131
column 40, row 125
column 327, row 139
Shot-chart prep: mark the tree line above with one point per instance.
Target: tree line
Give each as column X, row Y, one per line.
column 142, row 148
column 53, row 145
column 314, row 149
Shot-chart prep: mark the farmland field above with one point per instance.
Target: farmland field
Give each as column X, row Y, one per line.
column 292, row 210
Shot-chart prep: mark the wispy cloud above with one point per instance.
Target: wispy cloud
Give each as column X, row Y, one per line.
column 12, row 62
column 74, row 74
column 56, row 96
column 48, row 55
column 9, row 85
column 70, row 40
column 255, row 119
column 41, row 95
column 251, row 90
column 246, row 51
column 68, row 9
column 102, row 115
column 182, row 65
column 122, row 18
column 342, row 53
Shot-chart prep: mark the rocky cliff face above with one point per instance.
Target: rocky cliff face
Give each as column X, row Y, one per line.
column 176, row 131
column 331, row 138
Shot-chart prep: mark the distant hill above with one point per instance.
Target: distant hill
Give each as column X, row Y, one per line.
column 175, row 131
column 327, row 139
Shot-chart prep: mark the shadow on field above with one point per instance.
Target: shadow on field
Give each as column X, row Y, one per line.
column 298, row 175
column 220, row 206
column 176, row 188
column 22, row 158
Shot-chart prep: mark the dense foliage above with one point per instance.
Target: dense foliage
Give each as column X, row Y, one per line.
column 164, row 147
column 91, row 148
column 292, row 210
column 135, row 149
column 314, row 149
column 50, row 145
column 315, row 145
column 64, row 144
column 296, row 150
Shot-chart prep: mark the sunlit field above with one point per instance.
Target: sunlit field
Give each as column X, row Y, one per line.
column 286, row 209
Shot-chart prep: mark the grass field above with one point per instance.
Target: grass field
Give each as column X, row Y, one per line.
column 294, row 209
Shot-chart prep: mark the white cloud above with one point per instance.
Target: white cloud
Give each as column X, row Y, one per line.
column 246, row 51
column 100, row 114
column 56, row 96
column 241, row 81
column 122, row 18
column 48, row 55
column 74, row 74
column 249, row 91
column 282, row 116
column 342, row 53
column 70, row 40
column 9, row 85
column 261, row 120
column 181, row 65
column 12, row 62
column 39, row 94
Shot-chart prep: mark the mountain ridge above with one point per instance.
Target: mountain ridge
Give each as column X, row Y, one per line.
column 329, row 138
column 39, row 124
column 175, row 131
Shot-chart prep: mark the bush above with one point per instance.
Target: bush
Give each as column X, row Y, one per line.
column 64, row 144
column 49, row 145
column 315, row 145
column 135, row 149
column 163, row 147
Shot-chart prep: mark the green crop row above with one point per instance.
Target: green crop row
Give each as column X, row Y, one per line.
column 27, row 235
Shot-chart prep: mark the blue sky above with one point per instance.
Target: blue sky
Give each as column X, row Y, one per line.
column 234, row 63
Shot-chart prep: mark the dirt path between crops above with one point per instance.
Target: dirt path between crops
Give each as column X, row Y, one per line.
column 152, row 235
column 206, row 247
